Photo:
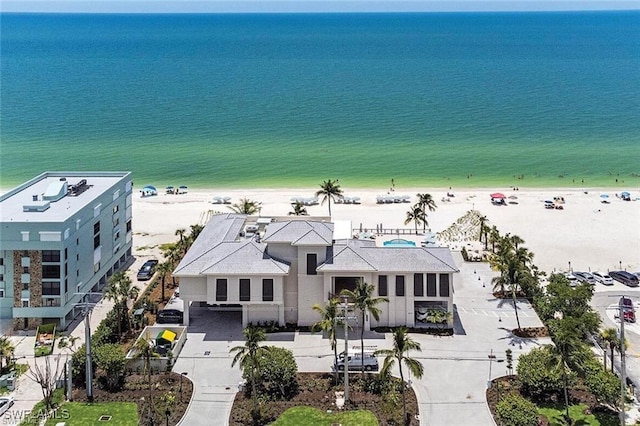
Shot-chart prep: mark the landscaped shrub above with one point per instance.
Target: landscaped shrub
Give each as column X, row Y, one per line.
column 110, row 359
column 535, row 375
column 602, row 383
column 514, row 410
column 278, row 371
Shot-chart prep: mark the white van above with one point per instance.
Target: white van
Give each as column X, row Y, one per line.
column 354, row 361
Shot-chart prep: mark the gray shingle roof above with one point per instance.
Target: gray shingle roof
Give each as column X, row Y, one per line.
column 355, row 257
column 244, row 258
column 300, row 232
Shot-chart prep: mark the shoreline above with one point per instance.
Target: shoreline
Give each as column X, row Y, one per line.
column 585, row 235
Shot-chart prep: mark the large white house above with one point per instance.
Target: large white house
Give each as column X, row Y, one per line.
column 290, row 264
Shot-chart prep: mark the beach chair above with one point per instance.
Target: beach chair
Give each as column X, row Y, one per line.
column 216, row 200
column 355, row 200
column 226, row 200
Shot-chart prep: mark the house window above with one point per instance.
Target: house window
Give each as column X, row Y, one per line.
column 312, row 263
column 431, row 285
column 221, row 290
column 383, row 287
column 50, row 256
column 444, row 285
column 418, row 285
column 245, row 289
column 267, row 289
column 51, row 288
column 399, row 285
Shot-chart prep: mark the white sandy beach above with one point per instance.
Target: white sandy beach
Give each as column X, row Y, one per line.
column 587, row 233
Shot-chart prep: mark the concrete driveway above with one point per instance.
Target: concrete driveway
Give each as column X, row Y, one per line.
column 457, row 368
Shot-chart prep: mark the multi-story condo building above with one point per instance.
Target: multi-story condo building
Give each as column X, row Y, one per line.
column 62, row 234
column 290, row 264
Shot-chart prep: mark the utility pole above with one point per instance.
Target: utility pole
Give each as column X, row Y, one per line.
column 86, row 312
column 346, row 349
column 623, row 364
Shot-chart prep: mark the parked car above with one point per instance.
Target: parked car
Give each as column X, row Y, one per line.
column 628, row 309
column 625, row 278
column 354, row 361
column 169, row 316
column 585, row 277
column 5, row 403
column 147, row 270
column 573, row 280
column 603, row 278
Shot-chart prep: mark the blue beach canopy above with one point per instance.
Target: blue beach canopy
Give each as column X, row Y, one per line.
column 149, row 188
column 604, row 195
column 625, row 194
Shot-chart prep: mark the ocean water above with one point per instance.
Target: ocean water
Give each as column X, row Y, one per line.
column 476, row 100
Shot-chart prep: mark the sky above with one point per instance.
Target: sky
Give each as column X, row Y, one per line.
column 309, row 6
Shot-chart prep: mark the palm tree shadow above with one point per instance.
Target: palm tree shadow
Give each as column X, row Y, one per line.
column 517, row 341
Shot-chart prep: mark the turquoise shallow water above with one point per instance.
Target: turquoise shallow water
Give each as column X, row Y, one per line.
column 541, row 99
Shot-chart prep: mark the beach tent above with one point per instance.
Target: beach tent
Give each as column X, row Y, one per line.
column 169, row 189
column 626, row 196
column 182, row 189
column 165, row 337
column 149, row 190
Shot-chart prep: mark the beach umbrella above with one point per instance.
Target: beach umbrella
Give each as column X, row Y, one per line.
column 149, row 188
column 625, row 194
column 548, row 202
column 169, row 187
column 183, row 187
column 497, row 195
column 604, row 195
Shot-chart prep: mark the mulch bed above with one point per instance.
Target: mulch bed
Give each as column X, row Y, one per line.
column 136, row 390
column 318, row 390
column 531, row 332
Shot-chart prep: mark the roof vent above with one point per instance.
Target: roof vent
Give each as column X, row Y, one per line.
column 78, row 188
column 55, row 191
column 35, row 197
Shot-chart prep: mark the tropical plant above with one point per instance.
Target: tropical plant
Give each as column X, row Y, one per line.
column 248, row 359
column 298, row 209
column 610, row 336
column 402, row 345
column 483, row 230
column 329, row 191
column 329, row 323
column 181, row 233
column 439, row 317
column 426, row 202
column 6, row 351
column 110, row 359
column 246, row 206
column 120, row 290
column 415, row 214
column 163, row 269
column 144, row 350
column 363, row 299
column 514, row 410
column 534, row 374
column 278, row 373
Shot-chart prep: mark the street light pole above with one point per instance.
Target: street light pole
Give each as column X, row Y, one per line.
column 86, row 311
column 623, row 364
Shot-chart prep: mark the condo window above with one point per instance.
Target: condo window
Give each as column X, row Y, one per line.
column 267, row 289
column 50, row 256
column 431, row 285
column 1, row 277
column 444, row 285
column 25, row 269
column 399, row 285
column 116, row 208
column 50, row 271
column 1, row 292
column 312, row 263
column 25, row 303
column 25, row 286
column 221, row 290
column 418, row 285
column 96, row 228
column 129, row 226
column 96, row 241
column 245, row 289
column 383, row 288
column 1, row 261
column 51, row 288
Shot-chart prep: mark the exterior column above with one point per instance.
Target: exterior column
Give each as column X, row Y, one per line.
column 185, row 314
column 281, row 315
column 245, row 316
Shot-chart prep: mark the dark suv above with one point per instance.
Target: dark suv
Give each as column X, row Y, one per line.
column 625, row 278
column 147, row 270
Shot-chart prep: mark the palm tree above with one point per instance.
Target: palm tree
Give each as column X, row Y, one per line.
column 181, row 233
column 329, row 324
column 362, row 297
column 483, row 230
column 516, row 240
column 144, row 350
column 6, row 350
column 494, row 237
column 610, row 335
column 427, row 202
column 120, row 290
column 298, row 209
column 402, row 344
column 248, row 358
column 196, row 230
column 163, row 269
column 329, row 190
column 415, row 215
column 246, row 206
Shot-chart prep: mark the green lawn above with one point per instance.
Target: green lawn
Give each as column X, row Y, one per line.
column 301, row 416
column 555, row 415
column 83, row 414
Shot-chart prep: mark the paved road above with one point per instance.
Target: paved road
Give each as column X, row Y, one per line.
column 451, row 392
